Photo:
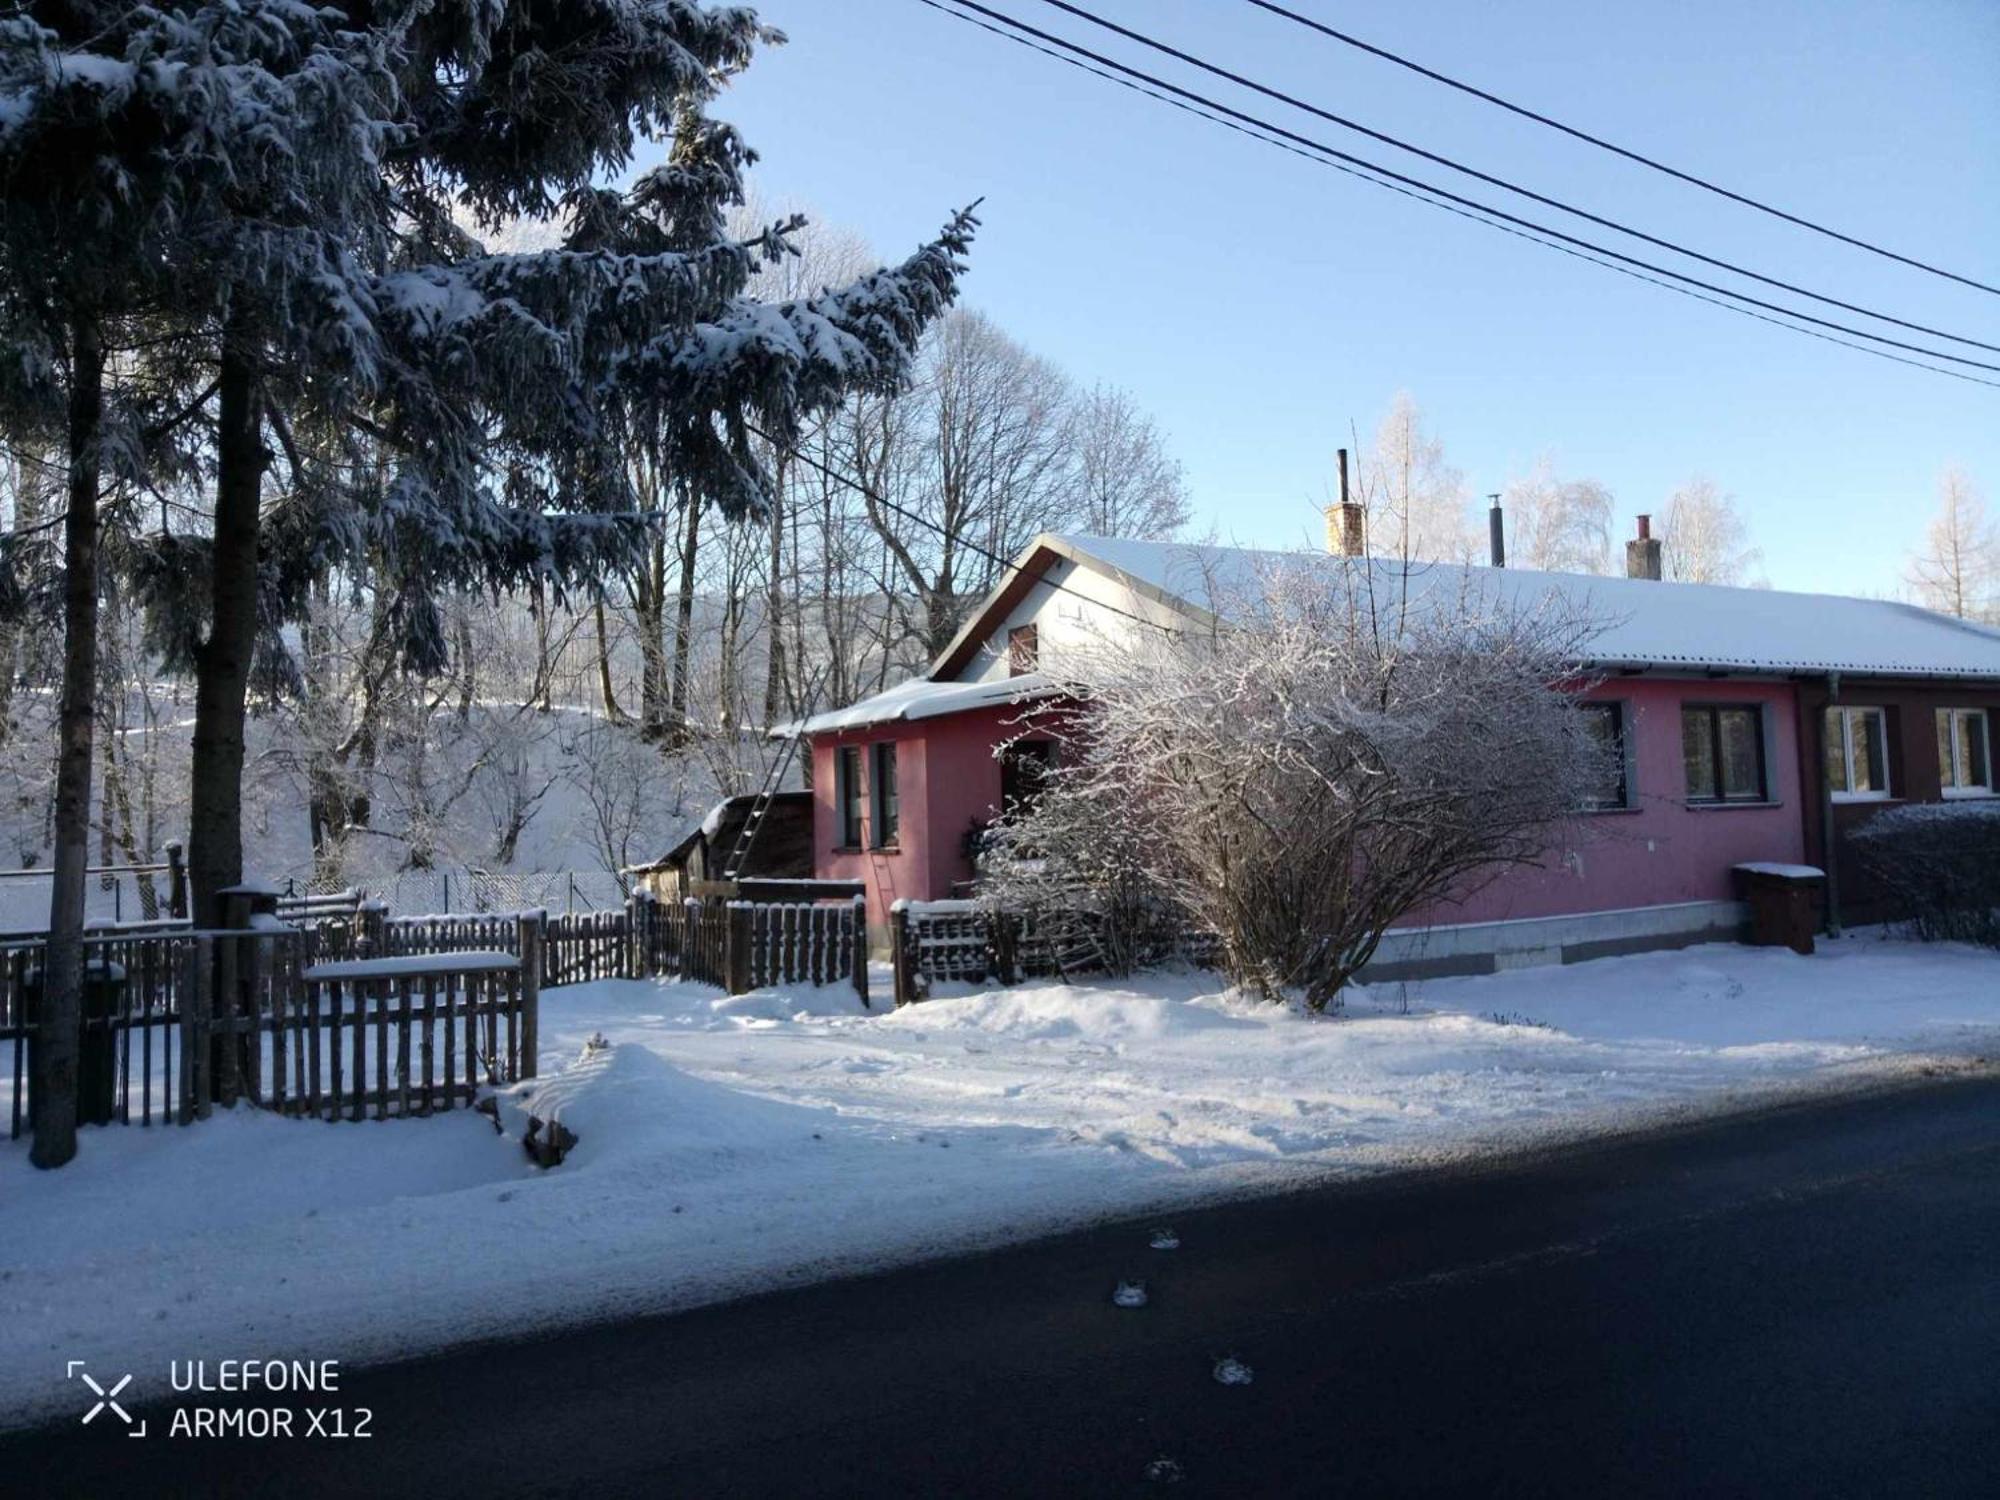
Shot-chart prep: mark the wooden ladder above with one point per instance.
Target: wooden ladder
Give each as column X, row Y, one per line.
column 774, row 781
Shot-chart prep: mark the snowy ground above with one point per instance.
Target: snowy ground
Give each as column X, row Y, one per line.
column 773, row 1138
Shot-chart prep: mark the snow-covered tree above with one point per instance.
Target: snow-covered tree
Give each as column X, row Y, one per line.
column 1358, row 741
column 1558, row 525
column 1126, row 482
column 1958, row 570
column 1416, row 501
column 484, row 401
column 1704, row 537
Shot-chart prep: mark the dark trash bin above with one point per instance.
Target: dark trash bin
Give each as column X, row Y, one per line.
column 1782, row 903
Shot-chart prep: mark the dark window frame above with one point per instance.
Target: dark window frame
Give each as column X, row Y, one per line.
column 1024, row 650
column 1719, row 796
column 1018, row 783
column 885, row 806
column 1614, row 709
column 849, row 796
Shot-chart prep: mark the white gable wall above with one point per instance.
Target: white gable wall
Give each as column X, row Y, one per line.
column 1072, row 609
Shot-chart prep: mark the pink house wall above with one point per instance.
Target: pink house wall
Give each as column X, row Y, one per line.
column 947, row 778
column 1664, row 850
column 1661, row 852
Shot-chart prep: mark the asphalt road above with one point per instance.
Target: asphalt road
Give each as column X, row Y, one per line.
column 1805, row 1302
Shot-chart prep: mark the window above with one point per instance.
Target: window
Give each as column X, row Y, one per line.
column 1024, row 767
column 887, row 810
column 1857, row 754
column 847, row 793
column 1965, row 752
column 1024, row 650
column 1722, row 746
column 1606, row 725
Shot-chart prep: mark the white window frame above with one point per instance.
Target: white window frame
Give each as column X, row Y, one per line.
column 1848, row 713
column 1948, row 775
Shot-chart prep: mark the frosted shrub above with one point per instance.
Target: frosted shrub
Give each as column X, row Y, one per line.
column 1938, row 866
column 1345, row 743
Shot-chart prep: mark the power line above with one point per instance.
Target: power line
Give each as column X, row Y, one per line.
column 1634, row 156
column 1491, row 180
column 1324, row 155
column 1420, row 197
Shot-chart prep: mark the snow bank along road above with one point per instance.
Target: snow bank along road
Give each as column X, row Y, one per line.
column 1796, row 1302
column 732, row 1145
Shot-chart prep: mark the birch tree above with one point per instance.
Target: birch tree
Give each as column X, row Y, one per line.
column 1558, row 525
column 1704, row 538
column 1416, row 501
column 1958, row 570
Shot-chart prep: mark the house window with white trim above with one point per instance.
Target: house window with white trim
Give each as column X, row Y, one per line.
column 1857, row 754
column 1965, row 752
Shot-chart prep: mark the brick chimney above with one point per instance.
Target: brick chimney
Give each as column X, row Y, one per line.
column 1642, row 553
column 1346, row 535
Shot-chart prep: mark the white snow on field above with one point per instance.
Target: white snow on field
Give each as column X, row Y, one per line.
column 732, row 1144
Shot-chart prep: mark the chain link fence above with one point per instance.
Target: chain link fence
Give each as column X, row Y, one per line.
column 416, row 893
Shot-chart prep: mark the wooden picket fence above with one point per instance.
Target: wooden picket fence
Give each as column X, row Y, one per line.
column 933, row 942
column 349, row 1014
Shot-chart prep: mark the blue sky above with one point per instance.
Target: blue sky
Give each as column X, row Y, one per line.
column 1258, row 304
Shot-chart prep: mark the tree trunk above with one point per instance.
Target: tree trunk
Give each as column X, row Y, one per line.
column 677, row 701
column 649, row 596
column 222, row 667
column 774, row 629
column 612, row 711
column 52, row 1090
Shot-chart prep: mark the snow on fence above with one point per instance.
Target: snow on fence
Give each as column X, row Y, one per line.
column 971, row 942
column 340, row 1012
column 178, row 1020
column 443, row 1025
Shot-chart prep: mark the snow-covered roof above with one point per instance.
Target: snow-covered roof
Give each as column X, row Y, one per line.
column 920, row 698
column 1645, row 623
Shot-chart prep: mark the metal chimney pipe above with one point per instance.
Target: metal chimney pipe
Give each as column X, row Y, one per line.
column 1496, row 529
column 1342, row 455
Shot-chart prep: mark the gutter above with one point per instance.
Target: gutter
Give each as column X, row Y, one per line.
column 1828, row 854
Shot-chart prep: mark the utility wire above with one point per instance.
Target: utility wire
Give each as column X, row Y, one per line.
column 1634, row 156
column 1519, row 234
column 1490, row 179
column 1324, row 155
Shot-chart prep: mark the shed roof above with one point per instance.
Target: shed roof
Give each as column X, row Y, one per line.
column 921, row 698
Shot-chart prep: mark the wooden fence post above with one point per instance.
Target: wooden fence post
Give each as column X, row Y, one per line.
column 371, row 925
column 858, row 937
column 899, row 954
column 1003, row 930
column 177, row 880
column 197, row 993
column 530, row 935
column 690, row 937
column 736, row 941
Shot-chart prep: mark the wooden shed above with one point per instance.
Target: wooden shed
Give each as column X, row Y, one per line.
column 782, row 849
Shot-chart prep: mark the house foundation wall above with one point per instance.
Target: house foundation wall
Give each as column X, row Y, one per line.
column 1489, row 947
